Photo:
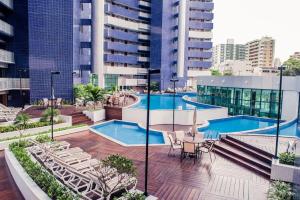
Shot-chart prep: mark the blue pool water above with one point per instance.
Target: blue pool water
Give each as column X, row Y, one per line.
column 165, row 102
column 292, row 130
column 237, row 124
column 128, row 133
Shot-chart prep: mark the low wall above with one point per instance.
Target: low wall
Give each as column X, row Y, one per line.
column 29, row 189
column 182, row 117
column 95, row 115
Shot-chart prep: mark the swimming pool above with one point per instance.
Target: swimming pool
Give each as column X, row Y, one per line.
column 165, row 102
column 292, row 129
column 237, row 124
column 127, row 133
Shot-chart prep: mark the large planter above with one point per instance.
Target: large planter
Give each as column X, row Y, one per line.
column 287, row 173
column 29, row 189
column 95, row 115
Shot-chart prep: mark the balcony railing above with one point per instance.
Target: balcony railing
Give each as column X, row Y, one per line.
column 7, row 3
column 13, row 84
column 6, row 28
column 6, row 57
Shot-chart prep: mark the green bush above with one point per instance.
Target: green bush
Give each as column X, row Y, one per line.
column 287, row 158
column 43, row 138
column 10, row 128
column 41, row 177
column 121, row 163
column 132, row 196
column 280, row 191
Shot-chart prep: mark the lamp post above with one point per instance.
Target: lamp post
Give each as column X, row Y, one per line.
column 174, row 92
column 21, row 88
column 73, row 96
column 52, row 101
column 279, row 112
column 150, row 72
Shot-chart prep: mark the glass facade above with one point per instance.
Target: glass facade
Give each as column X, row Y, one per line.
column 241, row 101
column 111, row 80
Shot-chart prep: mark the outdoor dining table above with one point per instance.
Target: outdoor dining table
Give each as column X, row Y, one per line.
column 196, row 140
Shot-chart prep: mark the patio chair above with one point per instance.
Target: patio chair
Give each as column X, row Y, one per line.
column 189, row 149
column 179, row 136
column 173, row 145
column 208, row 147
column 59, row 103
column 45, row 102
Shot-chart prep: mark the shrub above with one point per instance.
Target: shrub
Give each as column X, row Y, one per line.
column 121, row 163
column 10, row 128
column 287, row 158
column 132, row 196
column 43, row 138
column 41, row 177
column 280, row 191
column 46, row 117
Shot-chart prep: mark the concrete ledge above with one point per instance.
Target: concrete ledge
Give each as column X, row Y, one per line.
column 29, row 189
column 287, row 173
column 95, row 115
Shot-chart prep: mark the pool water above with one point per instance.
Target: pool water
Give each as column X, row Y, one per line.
column 165, row 102
column 292, row 130
column 237, row 124
column 128, row 133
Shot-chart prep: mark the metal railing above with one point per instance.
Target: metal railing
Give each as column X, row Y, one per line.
column 6, row 57
column 13, row 84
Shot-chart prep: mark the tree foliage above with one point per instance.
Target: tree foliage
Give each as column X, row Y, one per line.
column 215, row 72
column 292, row 67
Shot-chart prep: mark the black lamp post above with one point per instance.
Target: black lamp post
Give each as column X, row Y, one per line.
column 21, row 88
column 150, row 72
column 52, row 101
column 279, row 112
column 174, row 92
column 73, row 96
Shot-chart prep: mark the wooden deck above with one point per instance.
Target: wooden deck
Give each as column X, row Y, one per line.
column 171, row 179
column 168, row 177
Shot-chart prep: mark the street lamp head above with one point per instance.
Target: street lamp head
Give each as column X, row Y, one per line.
column 55, row 72
column 174, row 80
column 154, row 71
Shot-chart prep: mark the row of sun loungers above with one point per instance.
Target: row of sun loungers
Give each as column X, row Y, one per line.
column 76, row 169
column 8, row 113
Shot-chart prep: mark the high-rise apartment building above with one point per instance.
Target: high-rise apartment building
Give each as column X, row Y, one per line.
column 261, row 52
column 112, row 42
column 228, row 51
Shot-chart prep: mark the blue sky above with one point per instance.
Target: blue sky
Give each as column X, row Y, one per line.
column 245, row 20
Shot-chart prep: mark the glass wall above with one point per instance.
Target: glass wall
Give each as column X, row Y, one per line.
column 111, row 80
column 241, row 101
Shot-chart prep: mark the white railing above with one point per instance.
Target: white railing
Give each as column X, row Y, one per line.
column 144, row 3
column 13, row 84
column 6, row 57
column 143, row 14
column 6, row 28
column 8, row 3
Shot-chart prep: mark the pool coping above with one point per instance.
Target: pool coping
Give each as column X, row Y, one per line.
column 254, row 132
column 166, row 142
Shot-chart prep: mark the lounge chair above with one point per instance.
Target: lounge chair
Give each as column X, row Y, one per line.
column 173, row 145
column 189, row 149
column 208, row 148
column 45, row 102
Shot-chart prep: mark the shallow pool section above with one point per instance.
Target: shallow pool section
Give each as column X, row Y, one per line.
column 237, row 124
column 291, row 130
column 165, row 102
column 127, row 133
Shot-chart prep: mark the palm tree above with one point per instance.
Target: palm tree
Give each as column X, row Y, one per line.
column 95, row 94
column 48, row 113
column 21, row 122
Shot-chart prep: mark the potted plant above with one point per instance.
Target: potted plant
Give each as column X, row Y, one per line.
column 280, row 191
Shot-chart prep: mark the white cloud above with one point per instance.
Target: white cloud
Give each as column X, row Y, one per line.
column 245, row 20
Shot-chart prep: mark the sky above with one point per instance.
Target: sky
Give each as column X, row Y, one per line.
column 246, row 20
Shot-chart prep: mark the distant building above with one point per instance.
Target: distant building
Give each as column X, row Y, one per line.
column 277, row 62
column 260, row 52
column 296, row 55
column 236, row 68
column 265, row 71
column 228, row 51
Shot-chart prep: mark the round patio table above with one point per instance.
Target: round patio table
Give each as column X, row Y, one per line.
column 196, row 140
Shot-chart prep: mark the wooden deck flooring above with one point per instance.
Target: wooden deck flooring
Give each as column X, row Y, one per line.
column 168, row 177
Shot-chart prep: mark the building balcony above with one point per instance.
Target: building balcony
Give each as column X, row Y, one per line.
column 131, row 82
column 144, row 15
column 125, row 70
column 143, row 48
column 121, row 11
column 195, row 14
column 202, row 5
column 143, row 37
column 200, row 64
column 121, row 35
column 144, row 4
column 201, row 25
column 6, row 28
column 118, row 46
column 199, row 54
column 86, row 12
column 14, row 84
column 129, row 3
column 116, row 58
column 143, row 59
column 6, row 57
column 7, row 3
column 200, row 45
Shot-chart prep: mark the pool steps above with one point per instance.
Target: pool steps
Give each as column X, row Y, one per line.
column 245, row 155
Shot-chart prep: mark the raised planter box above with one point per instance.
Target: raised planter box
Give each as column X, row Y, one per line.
column 287, row 173
column 95, row 115
column 67, row 123
column 29, row 189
